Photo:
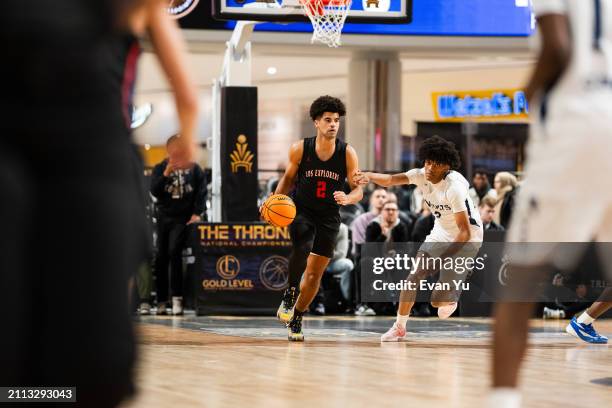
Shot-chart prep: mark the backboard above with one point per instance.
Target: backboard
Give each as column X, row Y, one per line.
column 362, row 11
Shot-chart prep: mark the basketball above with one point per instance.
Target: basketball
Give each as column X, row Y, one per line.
column 279, row 210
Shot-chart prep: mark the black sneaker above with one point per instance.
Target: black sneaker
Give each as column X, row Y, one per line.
column 295, row 328
column 285, row 310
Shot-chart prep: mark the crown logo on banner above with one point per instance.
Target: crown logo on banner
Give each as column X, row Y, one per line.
column 241, row 156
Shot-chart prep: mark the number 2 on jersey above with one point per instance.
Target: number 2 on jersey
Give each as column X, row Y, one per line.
column 321, row 189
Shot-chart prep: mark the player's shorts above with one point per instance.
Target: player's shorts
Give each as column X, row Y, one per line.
column 456, row 268
column 319, row 228
column 566, row 196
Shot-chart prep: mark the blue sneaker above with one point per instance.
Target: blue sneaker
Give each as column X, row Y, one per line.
column 585, row 332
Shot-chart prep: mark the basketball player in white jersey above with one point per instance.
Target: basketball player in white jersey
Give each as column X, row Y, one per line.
column 567, row 169
column 457, row 230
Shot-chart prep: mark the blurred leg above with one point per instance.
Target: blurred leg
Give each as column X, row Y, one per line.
column 509, row 341
column 310, row 284
column 162, row 259
column 175, row 249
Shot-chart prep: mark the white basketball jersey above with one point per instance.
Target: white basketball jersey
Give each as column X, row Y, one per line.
column 585, row 88
column 449, row 196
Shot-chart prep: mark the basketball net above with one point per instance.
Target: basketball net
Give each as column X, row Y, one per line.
column 327, row 18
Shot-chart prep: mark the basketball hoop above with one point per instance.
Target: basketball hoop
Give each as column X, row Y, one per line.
column 327, row 18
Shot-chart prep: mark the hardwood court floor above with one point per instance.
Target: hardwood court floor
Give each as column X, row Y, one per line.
column 246, row 362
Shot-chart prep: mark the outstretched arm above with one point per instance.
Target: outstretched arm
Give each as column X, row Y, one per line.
column 385, row 180
column 554, row 56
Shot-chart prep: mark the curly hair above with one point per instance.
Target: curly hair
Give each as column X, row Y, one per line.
column 326, row 104
column 439, row 150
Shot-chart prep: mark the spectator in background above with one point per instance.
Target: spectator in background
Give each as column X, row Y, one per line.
column 388, row 227
column 358, row 231
column 506, row 186
column 180, row 189
column 405, row 215
column 487, row 213
column 359, row 225
column 339, row 265
column 481, row 187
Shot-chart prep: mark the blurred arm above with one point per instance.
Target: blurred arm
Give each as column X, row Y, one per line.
column 554, row 56
column 170, row 49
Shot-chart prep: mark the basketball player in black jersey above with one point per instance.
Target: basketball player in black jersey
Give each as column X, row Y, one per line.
column 318, row 167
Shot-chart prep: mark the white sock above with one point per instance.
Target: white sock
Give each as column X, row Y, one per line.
column 504, row 397
column 401, row 320
column 585, row 319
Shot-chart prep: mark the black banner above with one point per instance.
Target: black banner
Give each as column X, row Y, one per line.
column 239, row 188
column 242, row 268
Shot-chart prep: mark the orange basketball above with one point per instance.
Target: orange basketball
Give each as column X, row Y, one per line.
column 279, row 210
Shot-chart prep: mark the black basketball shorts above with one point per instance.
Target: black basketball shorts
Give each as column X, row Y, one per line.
column 317, row 229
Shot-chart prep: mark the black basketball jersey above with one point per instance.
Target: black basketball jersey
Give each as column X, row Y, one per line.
column 317, row 180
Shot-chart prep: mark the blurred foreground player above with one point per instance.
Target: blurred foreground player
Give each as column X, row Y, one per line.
column 457, row 230
column 569, row 145
column 65, row 153
column 318, row 166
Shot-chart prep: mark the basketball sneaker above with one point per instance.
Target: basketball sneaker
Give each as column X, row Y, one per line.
column 285, row 310
column 177, row 305
column 445, row 312
column 549, row 313
column 145, row 309
column 295, row 328
column 585, row 332
column 364, row 310
column 395, row 333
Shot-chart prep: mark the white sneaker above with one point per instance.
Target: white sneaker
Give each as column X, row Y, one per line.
column 162, row 309
column 369, row 311
column 360, row 311
column 177, row 305
column 145, row 309
column 549, row 313
column 395, row 333
column 364, row 310
column 445, row 312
